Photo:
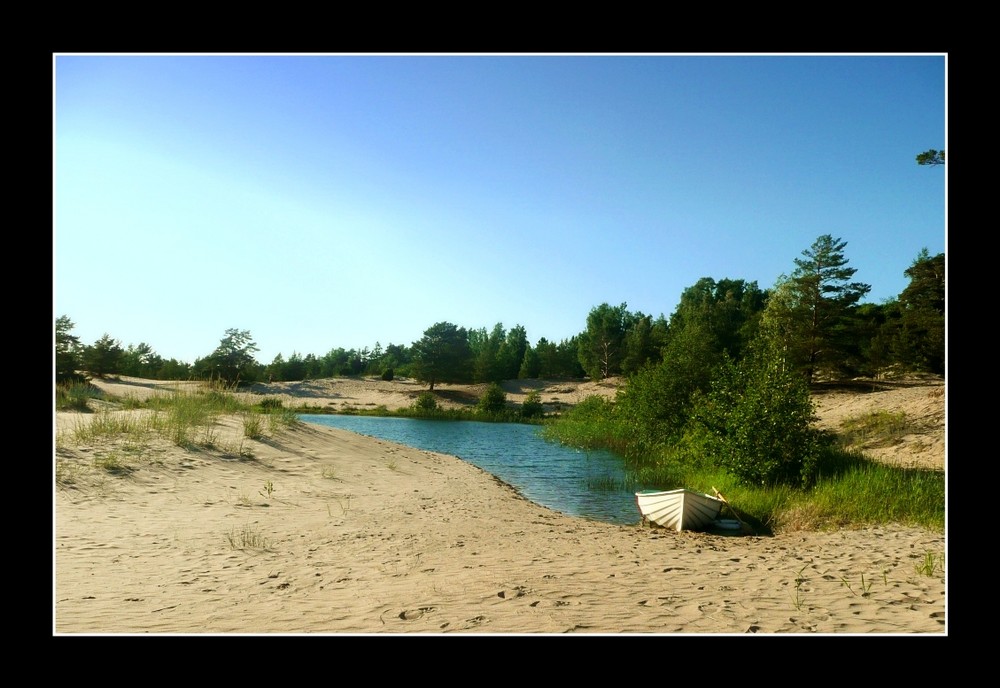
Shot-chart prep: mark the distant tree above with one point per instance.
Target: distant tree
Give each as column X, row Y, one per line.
column 103, row 357
column 174, row 370
column 68, row 351
column 531, row 365
column 931, row 157
column 511, row 353
column 442, row 355
column 602, row 344
column 140, row 360
column 811, row 310
column 484, row 350
column 728, row 308
column 921, row 341
column 233, row 360
column 643, row 343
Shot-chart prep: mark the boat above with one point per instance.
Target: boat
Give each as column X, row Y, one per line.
column 678, row 510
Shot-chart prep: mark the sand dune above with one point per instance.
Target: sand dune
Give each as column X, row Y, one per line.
column 362, row 536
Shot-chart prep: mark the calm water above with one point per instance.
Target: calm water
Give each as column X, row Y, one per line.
column 561, row 478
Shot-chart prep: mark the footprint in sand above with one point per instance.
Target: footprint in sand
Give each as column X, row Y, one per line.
column 412, row 614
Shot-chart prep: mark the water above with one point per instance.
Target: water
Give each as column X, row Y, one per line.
column 575, row 482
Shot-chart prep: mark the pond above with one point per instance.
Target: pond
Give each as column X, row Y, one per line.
column 577, row 482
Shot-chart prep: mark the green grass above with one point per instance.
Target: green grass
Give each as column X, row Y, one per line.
column 126, row 427
column 75, row 396
column 852, row 490
column 875, row 429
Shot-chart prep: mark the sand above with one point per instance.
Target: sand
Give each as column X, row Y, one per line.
column 363, row 536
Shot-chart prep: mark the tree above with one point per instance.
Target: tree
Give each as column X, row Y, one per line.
column 812, row 309
column 602, row 345
column 68, row 351
column 511, row 353
column 104, row 357
column 139, row 360
column 643, row 343
column 233, row 359
column 656, row 401
column 729, row 309
column 484, row 349
column 442, row 354
column 758, row 418
column 922, row 302
column 931, row 157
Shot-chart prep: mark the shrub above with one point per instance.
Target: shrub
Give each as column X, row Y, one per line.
column 426, row 402
column 388, row 374
column 758, row 416
column 494, row 400
column 532, row 406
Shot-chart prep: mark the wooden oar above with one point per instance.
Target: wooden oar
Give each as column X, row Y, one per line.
column 744, row 527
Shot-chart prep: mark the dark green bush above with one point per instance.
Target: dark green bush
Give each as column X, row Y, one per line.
column 493, row 401
column 388, row 374
column 532, row 406
column 426, row 402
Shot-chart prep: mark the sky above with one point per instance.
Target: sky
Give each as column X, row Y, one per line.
column 342, row 201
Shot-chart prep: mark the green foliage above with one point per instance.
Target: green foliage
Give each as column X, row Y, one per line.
column 921, row 341
column 103, row 357
column 811, row 310
column 68, row 352
column 442, row 354
column 643, row 343
column 493, row 401
column 426, row 402
column 74, row 396
column 727, row 311
column 532, row 406
column 758, row 416
column 233, row 360
column 388, row 374
column 602, row 344
column 931, row 157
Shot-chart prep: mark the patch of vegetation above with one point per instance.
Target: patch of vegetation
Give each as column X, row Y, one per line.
column 75, row 395
column 247, row 537
column 875, row 429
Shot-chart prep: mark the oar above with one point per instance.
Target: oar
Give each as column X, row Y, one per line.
column 744, row 527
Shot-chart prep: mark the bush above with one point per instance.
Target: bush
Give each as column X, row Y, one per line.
column 532, row 406
column 426, row 402
column 388, row 374
column 494, row 400
column 758, row 417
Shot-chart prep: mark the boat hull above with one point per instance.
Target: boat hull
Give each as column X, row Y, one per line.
column 678, row 510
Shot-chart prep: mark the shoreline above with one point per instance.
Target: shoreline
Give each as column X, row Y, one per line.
column 364, row 536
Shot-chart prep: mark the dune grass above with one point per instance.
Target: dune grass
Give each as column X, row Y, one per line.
column 124, row 429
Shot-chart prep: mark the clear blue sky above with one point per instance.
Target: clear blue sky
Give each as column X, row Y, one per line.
column 324, row 201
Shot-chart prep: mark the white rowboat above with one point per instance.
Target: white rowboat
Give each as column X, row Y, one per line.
column 681, row 509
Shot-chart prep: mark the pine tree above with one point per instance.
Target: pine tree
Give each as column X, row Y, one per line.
column 812, row 309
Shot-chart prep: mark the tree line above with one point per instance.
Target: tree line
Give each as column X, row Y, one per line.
column 816, row 311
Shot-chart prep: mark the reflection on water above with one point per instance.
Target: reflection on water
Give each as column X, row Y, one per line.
column 572, row 481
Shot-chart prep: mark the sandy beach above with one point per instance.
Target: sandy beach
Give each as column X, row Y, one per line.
column 320, row 531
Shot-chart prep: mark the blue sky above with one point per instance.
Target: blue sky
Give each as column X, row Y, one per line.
column 325, row 201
